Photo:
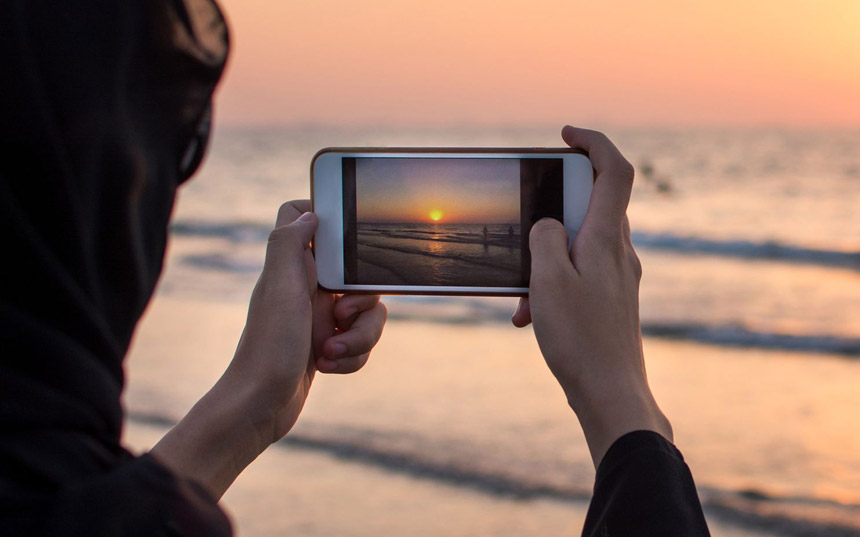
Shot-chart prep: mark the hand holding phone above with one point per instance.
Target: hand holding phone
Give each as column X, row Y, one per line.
column 292, row 331
column 584, row 304
column 439, row 221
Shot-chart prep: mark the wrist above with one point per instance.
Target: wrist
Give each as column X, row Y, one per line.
column 221, row 435
column 248, row 407
column 608, row 412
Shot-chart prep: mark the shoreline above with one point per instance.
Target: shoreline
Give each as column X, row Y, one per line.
column 279, row 494
column 722, row 402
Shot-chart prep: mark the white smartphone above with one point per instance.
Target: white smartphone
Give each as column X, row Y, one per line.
column 439, row 221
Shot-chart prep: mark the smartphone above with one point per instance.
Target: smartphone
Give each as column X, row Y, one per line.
column 439, row 221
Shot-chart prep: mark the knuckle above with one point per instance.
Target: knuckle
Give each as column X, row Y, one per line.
column 285, row 211
column 278, row 234
column 601, row 137
column 353, row 364
column 635, row 263
column 291, row 210
column 284, row 233
column 364, row 342
column 624, row 170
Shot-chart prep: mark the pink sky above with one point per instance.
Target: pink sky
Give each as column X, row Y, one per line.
column 620, row 63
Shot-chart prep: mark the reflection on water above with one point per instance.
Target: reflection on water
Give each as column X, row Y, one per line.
column 437, row 249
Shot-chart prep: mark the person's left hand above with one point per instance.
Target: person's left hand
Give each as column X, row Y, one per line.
column 294, row 328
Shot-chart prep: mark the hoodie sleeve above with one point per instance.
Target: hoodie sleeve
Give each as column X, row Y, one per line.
column 643, row 488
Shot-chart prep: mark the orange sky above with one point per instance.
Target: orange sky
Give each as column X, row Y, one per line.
column 624, row 63
column 485, row 191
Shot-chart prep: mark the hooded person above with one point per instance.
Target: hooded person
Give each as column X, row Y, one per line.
column 105, row 111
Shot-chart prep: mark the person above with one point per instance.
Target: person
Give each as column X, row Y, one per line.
column 486, row 233
column 106, row 114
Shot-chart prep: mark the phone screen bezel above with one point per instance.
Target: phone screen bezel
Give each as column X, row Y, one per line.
column 327, row 204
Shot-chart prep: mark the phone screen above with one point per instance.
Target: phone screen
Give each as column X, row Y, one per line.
column 445, row 221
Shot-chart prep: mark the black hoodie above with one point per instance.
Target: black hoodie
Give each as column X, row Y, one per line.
column 104, row 107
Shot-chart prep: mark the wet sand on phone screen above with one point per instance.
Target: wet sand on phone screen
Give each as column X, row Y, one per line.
column 439, row 255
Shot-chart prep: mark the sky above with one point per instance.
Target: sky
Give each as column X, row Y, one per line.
column 481, row 191
column 614, row 63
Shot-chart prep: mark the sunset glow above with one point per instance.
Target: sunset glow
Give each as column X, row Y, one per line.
column 397, row 190
column 768, row 62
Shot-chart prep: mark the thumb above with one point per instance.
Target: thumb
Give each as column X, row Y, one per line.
column 304, row 227
column 548, row 243
column 286, row 249
column 548, row 246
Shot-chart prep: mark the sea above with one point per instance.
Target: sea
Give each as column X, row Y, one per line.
column 750, row 309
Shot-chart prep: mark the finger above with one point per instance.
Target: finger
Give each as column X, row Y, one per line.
column 342, row 366
column 611, row 194
column 288, row 242
column 324, row 324
column 625, row 227
column 348, row 307
column 523, row 315
column 548, row 247
column 361, row 336
column 291, row 211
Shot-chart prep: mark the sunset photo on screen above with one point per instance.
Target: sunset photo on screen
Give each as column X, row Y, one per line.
column 438, row 222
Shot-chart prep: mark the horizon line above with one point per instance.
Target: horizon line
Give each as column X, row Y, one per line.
column 436, row 223
column 529, row 125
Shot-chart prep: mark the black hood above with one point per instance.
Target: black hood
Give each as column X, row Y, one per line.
column 104, row 109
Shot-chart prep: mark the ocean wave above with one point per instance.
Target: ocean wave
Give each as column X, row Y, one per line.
column 237, row 232
column 739, row 336
column 743, row 249
column 223, row 262
column 795, row 516
column 254, row 232
column 467, row 311
column 476, row 312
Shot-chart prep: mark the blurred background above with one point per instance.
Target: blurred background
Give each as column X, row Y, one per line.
column 742, row 121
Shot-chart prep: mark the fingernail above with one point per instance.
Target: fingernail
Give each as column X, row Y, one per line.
column 338, row 349
column 306, row 217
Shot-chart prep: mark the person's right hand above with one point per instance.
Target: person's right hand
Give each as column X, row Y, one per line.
column 584, row 304
column 293, row 330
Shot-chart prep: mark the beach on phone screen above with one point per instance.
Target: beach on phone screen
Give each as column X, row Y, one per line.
column 438, row 222
column 453, row 222
column 439, row 254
